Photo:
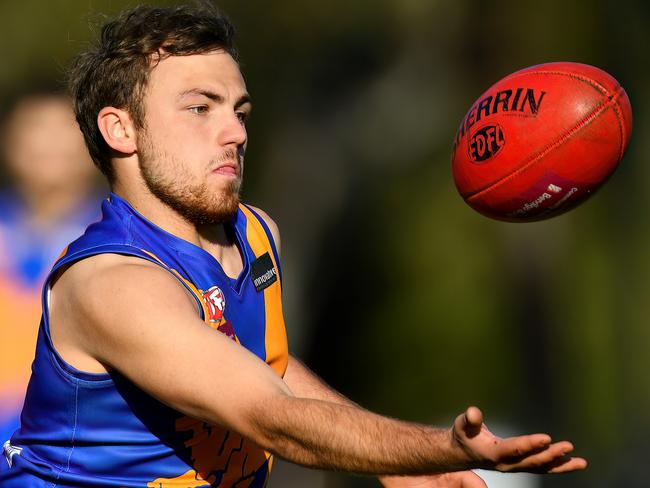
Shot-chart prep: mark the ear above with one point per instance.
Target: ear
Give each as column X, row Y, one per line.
column 118, row 129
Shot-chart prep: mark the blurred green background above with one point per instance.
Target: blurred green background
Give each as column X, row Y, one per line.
column 396, row 292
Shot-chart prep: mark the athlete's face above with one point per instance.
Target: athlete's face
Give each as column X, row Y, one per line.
column 191, row 151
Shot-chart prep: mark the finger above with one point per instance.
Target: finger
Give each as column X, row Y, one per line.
column 514, row 448
column 572, row 464
column 554, row 459
column 564, row 464
column 538, row 458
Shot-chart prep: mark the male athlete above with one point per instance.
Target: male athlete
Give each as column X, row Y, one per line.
column 162, row 357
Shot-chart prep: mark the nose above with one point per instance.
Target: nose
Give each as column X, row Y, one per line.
column 233, row 132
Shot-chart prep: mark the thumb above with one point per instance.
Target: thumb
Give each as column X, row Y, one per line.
column 471, row 422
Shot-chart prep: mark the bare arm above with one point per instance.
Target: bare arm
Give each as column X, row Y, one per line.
column 468, row 433
column 303, row 382
column 135, row 317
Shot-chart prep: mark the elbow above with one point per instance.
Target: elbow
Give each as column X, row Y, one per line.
column 267, row 423
column 274, row 428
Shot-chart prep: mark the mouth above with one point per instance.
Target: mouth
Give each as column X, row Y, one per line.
column 227, row 169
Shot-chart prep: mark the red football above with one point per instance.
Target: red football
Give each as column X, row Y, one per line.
column 541, row 140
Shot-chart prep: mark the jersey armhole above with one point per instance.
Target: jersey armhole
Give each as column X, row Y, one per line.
column 269, row 236
column 66, row 261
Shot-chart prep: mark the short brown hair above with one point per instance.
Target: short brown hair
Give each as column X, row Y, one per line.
column 116, row 70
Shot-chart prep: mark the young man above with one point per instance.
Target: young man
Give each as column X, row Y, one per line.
column 132, row 385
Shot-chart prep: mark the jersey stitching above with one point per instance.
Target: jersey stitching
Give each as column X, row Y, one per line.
column 72, row 438
column 74, row 427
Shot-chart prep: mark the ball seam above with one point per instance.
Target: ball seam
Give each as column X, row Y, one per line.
column 619, row 118
column 590, row 81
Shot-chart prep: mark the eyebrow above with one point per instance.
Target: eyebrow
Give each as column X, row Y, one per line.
column 215, row 97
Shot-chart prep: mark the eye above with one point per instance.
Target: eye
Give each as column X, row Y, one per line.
column 242, row 116
column 199, row 109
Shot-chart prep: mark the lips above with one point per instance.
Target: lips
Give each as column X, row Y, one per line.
column 228, row 169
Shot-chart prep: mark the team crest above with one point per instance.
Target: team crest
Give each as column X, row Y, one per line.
column 216, row 303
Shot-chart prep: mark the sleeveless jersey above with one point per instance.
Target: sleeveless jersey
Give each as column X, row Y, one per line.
column 82, row 429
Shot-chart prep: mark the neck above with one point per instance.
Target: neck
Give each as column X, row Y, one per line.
column 213, row 238
column 159, row 213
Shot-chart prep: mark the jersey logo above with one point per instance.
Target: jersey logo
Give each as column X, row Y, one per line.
column 263, row 272
column 216, row 303
column 10, row 451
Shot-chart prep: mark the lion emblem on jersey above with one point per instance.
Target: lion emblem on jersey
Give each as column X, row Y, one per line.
column 216, row 303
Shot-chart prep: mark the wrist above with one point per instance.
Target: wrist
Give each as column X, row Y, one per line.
column 462, row 456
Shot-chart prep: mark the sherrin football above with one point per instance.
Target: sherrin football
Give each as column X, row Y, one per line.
column 540, row 141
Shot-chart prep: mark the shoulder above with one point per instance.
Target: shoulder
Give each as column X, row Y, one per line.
column 96, row 283
column 101, row 305
column 101, row 267
column 273, row 227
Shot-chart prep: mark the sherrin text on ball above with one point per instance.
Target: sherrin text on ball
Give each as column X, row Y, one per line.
column 541, row 140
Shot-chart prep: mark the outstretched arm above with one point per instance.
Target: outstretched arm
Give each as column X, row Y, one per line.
column 159, row 342
column 303, row 382
column 469, row 434
column 526, row 453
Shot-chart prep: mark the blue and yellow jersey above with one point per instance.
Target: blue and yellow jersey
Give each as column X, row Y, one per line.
column 82, row 429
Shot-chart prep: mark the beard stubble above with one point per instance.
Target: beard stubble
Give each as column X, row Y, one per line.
column 169, row 180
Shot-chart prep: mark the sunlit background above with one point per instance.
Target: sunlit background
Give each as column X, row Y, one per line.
column 396, row 292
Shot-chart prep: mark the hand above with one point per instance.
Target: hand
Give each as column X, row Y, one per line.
column 460, row 479
column 531, row 453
